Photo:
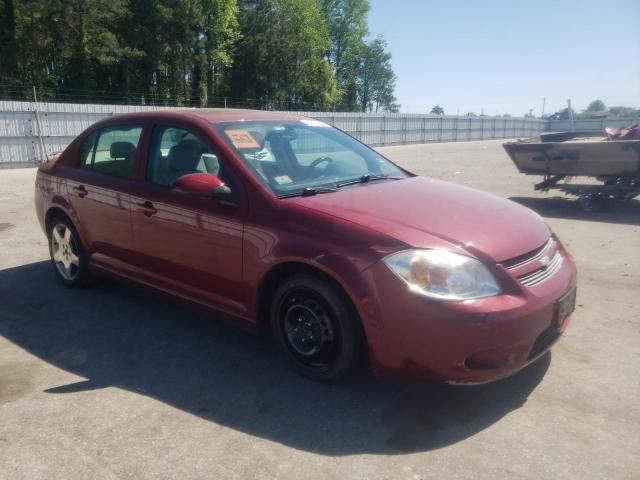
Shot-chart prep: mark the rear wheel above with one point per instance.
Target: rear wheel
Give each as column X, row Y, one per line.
column 316, row 328
column 67, row 254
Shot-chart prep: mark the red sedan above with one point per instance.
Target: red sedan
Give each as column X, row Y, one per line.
column 285, row 224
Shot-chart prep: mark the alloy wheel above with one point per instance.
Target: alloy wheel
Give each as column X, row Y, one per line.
column 64, row 252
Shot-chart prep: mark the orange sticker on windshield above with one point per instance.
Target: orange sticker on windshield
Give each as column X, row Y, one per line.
column 242, row 139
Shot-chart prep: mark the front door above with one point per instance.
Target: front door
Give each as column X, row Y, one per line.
column 187, row 245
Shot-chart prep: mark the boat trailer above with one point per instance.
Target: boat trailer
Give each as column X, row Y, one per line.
column 593, row 196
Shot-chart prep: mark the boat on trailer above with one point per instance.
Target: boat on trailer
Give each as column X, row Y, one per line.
column 611, row 158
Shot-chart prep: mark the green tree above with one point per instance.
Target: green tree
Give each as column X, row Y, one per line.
column 142, row 34
column 220, row 30
column 280, row 57
column 83, row 34
column 437, row 110
column 8, row 59
column 347, row 21
column 625, row 112
column 596, row 106
column 376, row 80
column 33, row 47
column 562, row 114
column 282, row 53
column 177, row 50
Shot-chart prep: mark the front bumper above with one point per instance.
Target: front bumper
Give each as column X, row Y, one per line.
column 412, row 336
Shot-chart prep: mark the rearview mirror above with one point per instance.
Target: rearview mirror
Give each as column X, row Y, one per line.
column 202, row 185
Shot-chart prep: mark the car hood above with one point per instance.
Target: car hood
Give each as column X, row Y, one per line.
column 417, row 209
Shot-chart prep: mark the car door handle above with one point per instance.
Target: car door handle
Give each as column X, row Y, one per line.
column 80, row 190
column 147, row 208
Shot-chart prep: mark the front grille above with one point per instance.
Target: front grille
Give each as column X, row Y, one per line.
column 536, row 266
column 541, row 274
column 527, row 257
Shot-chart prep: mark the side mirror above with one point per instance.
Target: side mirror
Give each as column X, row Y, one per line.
column 202, row 185
column 221, row 192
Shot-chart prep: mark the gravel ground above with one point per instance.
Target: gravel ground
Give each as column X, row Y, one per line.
column 111, row 383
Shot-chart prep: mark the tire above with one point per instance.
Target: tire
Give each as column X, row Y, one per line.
column 591, row 202
column 68, row 256
column 316, row 328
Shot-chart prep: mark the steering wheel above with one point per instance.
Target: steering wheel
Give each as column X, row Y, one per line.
column 320, row 160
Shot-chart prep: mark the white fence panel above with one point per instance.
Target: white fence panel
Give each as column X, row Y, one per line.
column 21, row 132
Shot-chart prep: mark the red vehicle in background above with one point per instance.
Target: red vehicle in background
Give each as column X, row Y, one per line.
column 286, row 224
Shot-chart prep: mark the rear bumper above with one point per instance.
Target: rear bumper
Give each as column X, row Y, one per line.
column 470, row 342
column 40, row 200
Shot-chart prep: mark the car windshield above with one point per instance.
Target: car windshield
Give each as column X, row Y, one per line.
column 305, row 156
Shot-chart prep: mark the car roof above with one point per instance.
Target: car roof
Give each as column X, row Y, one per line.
column 214, row 115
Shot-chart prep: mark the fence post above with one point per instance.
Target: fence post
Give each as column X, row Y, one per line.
column 43, row 150
column 455, row 130
column 424, row 130
column 384, row 130
column 33, row 154
column 360, row 131
column 405, row 126
column 440, row 129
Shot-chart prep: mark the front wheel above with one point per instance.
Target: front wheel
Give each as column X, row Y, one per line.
column 67, row 254
column 316, row 328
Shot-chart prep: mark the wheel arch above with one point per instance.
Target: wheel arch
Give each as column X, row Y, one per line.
column 53, row 212
column 278, row 273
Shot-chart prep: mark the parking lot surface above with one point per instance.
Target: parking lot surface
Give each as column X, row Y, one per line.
column 109, row 383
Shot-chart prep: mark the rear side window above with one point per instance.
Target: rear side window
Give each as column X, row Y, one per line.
column 114, row 152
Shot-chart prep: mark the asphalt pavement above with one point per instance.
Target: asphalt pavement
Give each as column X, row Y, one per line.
column 110, row 383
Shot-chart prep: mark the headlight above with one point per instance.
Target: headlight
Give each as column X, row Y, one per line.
column 442, row 274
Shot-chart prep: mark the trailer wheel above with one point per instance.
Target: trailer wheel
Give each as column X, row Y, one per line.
column 591, row 202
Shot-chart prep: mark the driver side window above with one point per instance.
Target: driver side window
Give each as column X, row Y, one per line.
column 176, row 152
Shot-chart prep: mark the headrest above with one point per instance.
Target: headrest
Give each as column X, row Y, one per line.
column 123, row 150
column 186, row 154
column 189, row 146
column 286, row 135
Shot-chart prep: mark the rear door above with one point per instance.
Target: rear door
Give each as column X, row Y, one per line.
column 186, row 245
column 98, row 188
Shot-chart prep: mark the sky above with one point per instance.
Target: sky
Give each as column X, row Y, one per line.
column 499, row 56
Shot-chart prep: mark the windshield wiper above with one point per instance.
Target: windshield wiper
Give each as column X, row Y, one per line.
column 309, row 191
column 366, row 179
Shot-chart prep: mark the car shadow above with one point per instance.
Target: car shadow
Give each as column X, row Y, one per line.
column 624, row 213
column 115, row 336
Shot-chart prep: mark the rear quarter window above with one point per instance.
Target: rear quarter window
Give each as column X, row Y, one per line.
column 87, row 150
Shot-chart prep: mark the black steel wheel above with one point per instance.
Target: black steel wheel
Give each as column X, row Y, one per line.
column 308, row 328
column 316, row 328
